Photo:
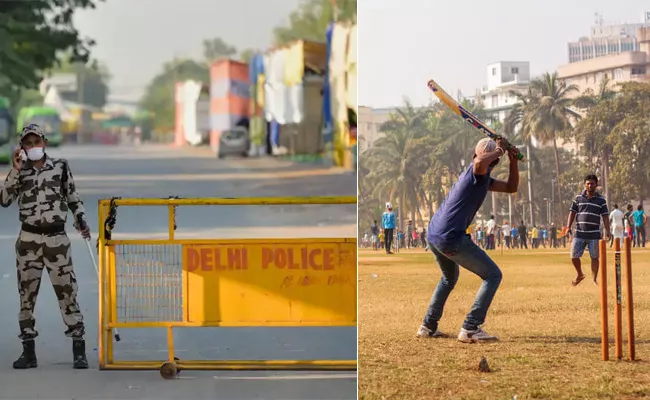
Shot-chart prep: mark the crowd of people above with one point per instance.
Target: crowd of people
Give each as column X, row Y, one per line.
column 489, row 235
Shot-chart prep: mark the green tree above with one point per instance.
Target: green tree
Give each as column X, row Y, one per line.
column 368, row 205
column 310, row 20
column 592, row 131
column 159, row 94
column 214, row 49
column 247, row 54
column 417, row 158
column 553, row 115
column 33, row 34
column 392, row 161
column 519, row 127
column 630, row 141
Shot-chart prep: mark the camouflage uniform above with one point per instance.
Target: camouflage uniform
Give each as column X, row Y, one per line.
column 44, row 197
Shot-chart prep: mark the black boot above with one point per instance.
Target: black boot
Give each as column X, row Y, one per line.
column 79, row 354
column 28, row 358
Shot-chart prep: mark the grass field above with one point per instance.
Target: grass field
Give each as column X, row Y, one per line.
column 549, row 331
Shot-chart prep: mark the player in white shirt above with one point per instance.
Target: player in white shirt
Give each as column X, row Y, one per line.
column 489, row 237
column 506, row 229
column 617, row 224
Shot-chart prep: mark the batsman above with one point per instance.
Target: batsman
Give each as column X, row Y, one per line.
column 452, row 246
column 45, row 191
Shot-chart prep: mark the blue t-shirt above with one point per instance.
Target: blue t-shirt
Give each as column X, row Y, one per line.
column 388, row 220
column 450, row 222
column 638, row 217
column 514, row 232
column 374, row 229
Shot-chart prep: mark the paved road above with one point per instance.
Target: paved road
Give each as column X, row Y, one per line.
column 157, row 171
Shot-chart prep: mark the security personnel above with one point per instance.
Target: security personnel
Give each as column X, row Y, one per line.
column 45, row 192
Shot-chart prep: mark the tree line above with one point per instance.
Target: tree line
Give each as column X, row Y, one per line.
column 38, row 37
column 422, row 150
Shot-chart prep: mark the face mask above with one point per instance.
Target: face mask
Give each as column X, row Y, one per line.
column 35, row 153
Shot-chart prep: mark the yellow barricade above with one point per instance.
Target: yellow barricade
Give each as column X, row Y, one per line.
column 222, row 283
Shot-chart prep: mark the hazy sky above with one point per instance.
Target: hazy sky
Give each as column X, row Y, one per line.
column 404, row 43
column 135, row 37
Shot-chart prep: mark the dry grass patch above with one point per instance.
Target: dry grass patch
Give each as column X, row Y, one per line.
column 549, row 331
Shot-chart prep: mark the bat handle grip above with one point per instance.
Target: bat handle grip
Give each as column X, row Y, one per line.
column 520, row 155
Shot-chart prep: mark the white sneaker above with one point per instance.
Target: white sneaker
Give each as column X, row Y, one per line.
column 476, row 336
column 425, row 332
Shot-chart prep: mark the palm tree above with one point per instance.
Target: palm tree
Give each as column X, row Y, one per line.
column 447, row 147
column 366, row 203
column 392, row 160
column 553, row 114
column 518, row 125
column 594, row 133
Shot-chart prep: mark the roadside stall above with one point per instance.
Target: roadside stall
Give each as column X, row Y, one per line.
column 342, row 81
column 294, row 76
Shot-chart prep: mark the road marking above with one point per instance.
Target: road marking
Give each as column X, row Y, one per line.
column 286, row 377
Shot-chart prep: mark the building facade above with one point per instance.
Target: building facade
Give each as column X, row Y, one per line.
column 369, row 120
column 617, row 67
column 606, row 40
column 621, row 67
column 502, row 79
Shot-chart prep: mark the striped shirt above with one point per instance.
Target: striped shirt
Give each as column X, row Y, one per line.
column 589, row 212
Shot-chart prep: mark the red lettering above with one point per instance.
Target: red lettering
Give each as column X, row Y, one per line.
column 217, row 260
column 290, row 261
column 192, row 258
column 304, row 259
column 280, row 258
column 207, row 259
column 244, row 259
column 234, row 259
column 267, row 257
column 328, row 259
column 312, row 259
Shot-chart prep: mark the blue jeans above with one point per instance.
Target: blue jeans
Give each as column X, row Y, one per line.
column 472, row 258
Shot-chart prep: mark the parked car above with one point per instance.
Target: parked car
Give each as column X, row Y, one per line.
column 234, row 141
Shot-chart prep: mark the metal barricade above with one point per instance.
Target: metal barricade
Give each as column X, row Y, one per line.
column 169, row 283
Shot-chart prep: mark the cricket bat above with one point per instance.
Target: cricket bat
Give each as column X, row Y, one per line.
column 468, row 116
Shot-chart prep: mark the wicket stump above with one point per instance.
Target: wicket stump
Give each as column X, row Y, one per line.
column 618, row 325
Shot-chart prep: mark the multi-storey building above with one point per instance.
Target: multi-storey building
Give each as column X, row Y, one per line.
column 607, row 40
column 503, row 78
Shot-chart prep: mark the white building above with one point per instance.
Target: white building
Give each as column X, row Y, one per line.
column 502, row 78
column 369, row 120
column 607, row 39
